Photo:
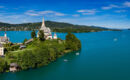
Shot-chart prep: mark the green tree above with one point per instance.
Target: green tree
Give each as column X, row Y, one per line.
column 41, row 35
column 26, row 60
column 33, row 34
column 52, row 54
column 3, row 65
column 72, row 42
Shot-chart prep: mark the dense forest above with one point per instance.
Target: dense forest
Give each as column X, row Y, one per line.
column 55, row 27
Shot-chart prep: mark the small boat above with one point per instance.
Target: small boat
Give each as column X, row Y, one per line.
column 77, row 54
column 65, row 60
column 115, row 39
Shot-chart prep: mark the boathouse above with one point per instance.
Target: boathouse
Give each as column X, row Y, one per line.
column 13, row 67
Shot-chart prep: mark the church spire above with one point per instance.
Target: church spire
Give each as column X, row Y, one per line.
column 43, row 23
column 5, row 35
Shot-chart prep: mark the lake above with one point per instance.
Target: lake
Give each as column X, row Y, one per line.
column 104, row 56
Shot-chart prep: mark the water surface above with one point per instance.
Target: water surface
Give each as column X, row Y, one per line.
column 104, row 56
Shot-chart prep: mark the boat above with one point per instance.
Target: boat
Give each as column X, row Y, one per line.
column 65, row 60
column 77, row 54
column 115, row 39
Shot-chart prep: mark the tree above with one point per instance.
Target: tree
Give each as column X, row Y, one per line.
column 52, row 54
column 72, row 42
column 24, row 40
column 33, row 34
column 3, row 65
column 26, row 60
column 41, row 35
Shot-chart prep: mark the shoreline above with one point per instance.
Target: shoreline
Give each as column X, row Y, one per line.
column 44, row 65
column 67, row 32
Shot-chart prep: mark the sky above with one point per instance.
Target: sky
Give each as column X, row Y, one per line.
column 104, row 13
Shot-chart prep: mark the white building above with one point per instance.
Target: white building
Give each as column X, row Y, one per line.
column 55, row 36
column 1, row 50
column 4, row 39
column 47, row 31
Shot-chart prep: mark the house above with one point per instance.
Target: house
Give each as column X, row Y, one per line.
column 22, row 46
column 13, row 67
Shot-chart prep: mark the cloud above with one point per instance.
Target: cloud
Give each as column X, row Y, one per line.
column 126, row 4
column 81, row 11
column 46, row 13
column 29, row 16
column 123, row 5
column 110, row 7
column 120, row 11
column 88, row 12
column 1, row 6
column 17, row 18
column 76, row 15
column 31, row 13
column 59, row 14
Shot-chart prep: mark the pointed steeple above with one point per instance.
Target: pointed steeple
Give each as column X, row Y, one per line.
column 43, row 23
column 5, row 35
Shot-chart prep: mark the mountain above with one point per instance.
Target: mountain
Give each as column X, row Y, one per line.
column 55, row 26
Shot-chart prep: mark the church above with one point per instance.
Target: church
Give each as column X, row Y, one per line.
column 4, row 39
column 47, row 32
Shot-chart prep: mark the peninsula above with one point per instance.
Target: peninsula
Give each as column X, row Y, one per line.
column 38, row 51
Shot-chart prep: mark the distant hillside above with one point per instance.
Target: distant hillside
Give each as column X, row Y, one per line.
column 55, row 26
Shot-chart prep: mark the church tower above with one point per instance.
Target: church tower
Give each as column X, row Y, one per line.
column 5, row 35
column 43, row 22
column 46, row 30
column 55, row 36
column 43, row 27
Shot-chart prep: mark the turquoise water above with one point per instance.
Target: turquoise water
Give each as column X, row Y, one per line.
column 104, row 56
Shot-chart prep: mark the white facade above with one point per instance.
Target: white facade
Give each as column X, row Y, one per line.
column 49, row 37
column 3, row 40
column 1, row 51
